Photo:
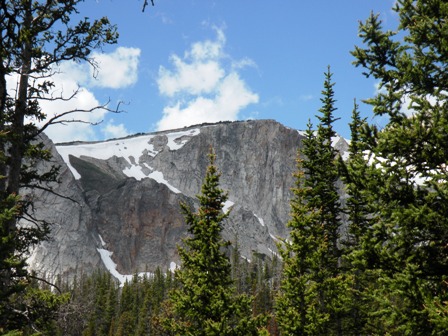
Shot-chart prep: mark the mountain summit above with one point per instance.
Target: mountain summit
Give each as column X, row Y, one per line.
column 119, row 208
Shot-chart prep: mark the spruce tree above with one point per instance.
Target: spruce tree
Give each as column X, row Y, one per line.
column 406, row 244
column 312, row 296
column 205, row 303
column 362, row 281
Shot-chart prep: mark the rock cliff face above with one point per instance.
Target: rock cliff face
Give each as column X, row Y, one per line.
column 121, row 209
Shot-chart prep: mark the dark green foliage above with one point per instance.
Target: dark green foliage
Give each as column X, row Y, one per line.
column 313, row 294
column 404, row 178
column 98, row 306
column 206, row 303
column 358, row 214
column 35, row 36
column 258, row 278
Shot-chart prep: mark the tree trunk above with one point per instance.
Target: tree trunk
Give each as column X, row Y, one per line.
column 16, row 150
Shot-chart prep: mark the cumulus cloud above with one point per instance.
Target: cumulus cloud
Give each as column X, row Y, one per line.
column 66, row 85
column 231, row 96
column 194, row 78
column 110, row 130
column 117, row 69
column 203, row 85
column 75, row 81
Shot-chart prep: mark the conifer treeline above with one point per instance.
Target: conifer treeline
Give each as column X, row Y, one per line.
column 99, row 306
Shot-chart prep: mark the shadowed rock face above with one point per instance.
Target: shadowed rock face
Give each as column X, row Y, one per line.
column 128, row 191
column 141, row 223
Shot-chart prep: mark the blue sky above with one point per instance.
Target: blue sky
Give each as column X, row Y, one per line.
column 190, row 61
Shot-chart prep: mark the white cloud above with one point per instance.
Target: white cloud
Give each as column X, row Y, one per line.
column 110, row 130
column 65, row 86
column 117, row 69
column 306, row 97
column 195, row 78
column 231, row 96
column 208, row 49
column 243, row 63
column 165, row 18
column 203, row 86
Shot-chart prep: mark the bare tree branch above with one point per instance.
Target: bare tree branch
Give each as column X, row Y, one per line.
column 45, row 281
column 40, row 187
column 146, row 4
column 57, row 118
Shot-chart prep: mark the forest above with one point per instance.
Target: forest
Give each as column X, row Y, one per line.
column 374, row 263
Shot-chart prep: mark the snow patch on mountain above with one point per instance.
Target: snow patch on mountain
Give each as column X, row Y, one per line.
column 345, row 156
column 135, row 172
column 106, row 257
column 103, row 243
column 275, row 254
column 173, row 266
column 177, row 140
column 111, row 266
column 227, row 205
column 158, row 176
column 130, row 149
column 413, row 175
column 274, row 237
column 260, row 220
column 337, row 142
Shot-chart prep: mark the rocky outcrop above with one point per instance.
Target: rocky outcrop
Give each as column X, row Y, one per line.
column 71, row 248
column 127, row 194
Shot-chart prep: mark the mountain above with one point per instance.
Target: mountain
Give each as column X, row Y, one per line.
column 116, row 205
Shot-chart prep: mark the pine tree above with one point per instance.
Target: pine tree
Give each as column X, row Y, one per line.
column 35, row 37
column 361, row 280
column 323, row 162
column 144, row 314
column 205, row 303
column 406, row 188
column 312, row 294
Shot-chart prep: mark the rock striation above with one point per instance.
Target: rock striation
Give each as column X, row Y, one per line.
column 120, row 209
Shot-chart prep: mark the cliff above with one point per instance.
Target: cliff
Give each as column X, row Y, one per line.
column 121, row 197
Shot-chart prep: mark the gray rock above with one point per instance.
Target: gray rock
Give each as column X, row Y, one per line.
column 71, row 249
column 128, row 191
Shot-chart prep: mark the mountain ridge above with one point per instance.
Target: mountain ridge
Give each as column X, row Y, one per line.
column 129, row 191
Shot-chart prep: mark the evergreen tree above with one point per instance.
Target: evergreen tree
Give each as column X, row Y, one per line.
column 312, row 295
column 324, row 173
column 361, row 279
column 406, row 188
column 35, row 37
column 205, row 303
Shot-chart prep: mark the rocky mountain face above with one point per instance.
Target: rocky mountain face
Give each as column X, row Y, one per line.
column 117, row 203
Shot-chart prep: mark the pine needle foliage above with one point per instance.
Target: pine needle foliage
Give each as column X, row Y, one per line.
column 311, row 299
column 356, row 241
column 406, row 187
column 35, row 38
column 206, row 303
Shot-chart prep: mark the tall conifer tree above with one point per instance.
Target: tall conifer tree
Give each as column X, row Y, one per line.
column 407, row 241
column 35, row 38
column 357, row 210
column 205, row 303
column 312, row 300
